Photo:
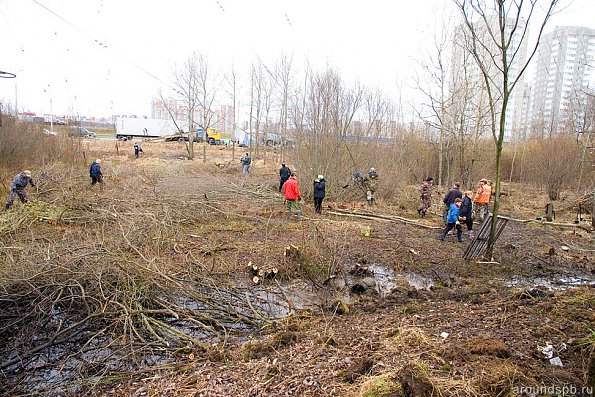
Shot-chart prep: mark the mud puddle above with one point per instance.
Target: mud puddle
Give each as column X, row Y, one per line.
column 388, row 280
column 553, row 282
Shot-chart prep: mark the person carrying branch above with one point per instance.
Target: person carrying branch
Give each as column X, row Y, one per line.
column 426, row 196
column 291, row 192
column 17, row 188
column 96, row 174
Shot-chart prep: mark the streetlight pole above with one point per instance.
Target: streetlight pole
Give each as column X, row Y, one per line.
column 51, row 113
column 16, row 95
column 51, row 110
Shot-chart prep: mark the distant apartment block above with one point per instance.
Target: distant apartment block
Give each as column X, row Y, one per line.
column 221, row 117
column 565, row 63
column 467, row 87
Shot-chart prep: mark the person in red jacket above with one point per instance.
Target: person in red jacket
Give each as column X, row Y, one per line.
column 291, row 192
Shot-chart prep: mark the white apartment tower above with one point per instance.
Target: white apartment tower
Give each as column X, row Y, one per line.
column 467, row 86
column 565, row 63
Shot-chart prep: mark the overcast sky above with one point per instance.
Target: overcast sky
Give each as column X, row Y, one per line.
column 104, row 57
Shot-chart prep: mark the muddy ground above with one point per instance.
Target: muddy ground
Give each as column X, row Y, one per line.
column 428, row 323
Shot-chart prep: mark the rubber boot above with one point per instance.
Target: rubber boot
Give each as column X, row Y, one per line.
column 288, row 215
column 298, row 214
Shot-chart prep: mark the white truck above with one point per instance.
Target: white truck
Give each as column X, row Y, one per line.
column 131, row 127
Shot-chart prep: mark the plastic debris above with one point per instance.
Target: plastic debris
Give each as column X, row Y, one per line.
column 548, row 351
column 556, row 361
column 444, row 335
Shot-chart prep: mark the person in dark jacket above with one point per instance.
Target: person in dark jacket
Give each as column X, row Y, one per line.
column 319, row 193
column 246, row 161
column 453, row 221
column 137, row 149
column 449, row 198
column 466, row 212
column 96, row 174
column 17, row 188
column 284, row 173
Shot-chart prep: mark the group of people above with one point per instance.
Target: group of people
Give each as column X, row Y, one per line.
column 459, row 207
column 288, row 184
column 25, row 178
column 367, row 183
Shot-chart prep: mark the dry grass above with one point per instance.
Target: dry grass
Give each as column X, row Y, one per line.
column 151, row 271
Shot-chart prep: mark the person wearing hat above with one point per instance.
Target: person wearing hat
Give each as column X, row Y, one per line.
column 482, row 200
column 319, row 193
column 372, row 174
column 17, row 187
column 95, row 173
column 426, row 196
column 284, row 173
column 370, row 183
column 466, row 212
column 291, row 193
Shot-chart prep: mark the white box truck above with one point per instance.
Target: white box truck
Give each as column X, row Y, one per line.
column 131, row 127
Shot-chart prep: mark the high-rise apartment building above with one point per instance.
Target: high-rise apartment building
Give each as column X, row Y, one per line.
column 467, row 86
column 565, row 63
column 221, row 117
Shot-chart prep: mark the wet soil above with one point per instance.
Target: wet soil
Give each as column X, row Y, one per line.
column 396, row 308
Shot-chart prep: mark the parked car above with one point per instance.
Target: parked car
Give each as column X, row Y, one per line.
column 81, row 131
column 49, row 133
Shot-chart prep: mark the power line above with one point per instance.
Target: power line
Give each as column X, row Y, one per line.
column 103, row 45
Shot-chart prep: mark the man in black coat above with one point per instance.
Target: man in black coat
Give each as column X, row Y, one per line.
column 466, row 212
column 319, row 193
column 284, row 173
column 450, row 197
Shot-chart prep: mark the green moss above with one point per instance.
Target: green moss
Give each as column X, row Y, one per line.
column 381, row 386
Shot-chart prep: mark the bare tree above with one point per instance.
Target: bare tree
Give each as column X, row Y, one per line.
column 283, row 72
column 232, row 89
column 496, row 37
column 186, row 85
column 207, row 88
column 435, row 89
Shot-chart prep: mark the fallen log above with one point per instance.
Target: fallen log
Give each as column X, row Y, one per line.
column 260, row 274
column 389, row 218
column 546, row 223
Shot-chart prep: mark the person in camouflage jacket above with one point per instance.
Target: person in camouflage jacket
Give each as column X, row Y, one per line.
column 426, row 196
column 17, row 187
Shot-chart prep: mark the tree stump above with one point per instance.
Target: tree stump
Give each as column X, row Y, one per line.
column 292, row 252
column 550, row 214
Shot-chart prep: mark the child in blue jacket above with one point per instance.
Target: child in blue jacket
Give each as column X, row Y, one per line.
column 453, row 221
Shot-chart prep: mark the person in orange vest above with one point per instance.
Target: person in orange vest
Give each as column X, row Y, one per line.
column 482, row 199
